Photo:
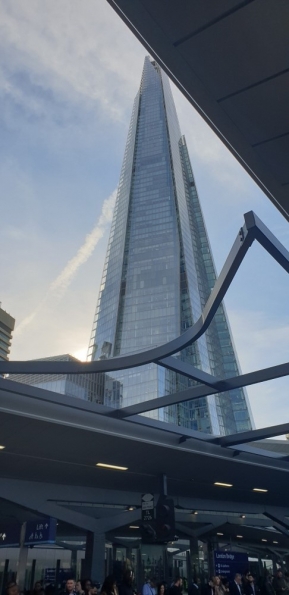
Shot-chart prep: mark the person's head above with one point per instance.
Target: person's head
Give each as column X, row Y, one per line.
column 109, row 585
column 12, row 588
column 250, row 577
column 178, row 581
column 238, row 579
column 38, row 586
column 161, row 589
column 86, row 584
column 78, row 587
column 70, row 585
column 93, row 590
column 216, row 581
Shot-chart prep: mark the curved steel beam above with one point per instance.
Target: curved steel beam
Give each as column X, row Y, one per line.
column 195, row 392
column 251, row 230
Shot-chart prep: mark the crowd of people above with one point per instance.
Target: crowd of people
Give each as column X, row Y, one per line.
column 217, row 585
column 242, row 585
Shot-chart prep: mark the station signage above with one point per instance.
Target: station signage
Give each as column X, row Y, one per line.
column 147, row 508
column 10, row 535
column 228, row 564
column 40, row 532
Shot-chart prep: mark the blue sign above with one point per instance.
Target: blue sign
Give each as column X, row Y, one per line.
column 228, row 564
column 49, row 575
column 43, row 531
column 63, row 575
column 10, row 535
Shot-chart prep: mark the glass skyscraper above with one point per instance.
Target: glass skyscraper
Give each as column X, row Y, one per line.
column 159, row 272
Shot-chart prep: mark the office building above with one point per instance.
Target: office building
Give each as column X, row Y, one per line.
column 7, row 324
column 159, row 270
column 84, row 386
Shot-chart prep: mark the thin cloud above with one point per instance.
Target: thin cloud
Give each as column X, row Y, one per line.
column 60, row 285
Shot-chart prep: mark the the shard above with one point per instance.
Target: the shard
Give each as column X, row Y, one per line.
column 159, row 272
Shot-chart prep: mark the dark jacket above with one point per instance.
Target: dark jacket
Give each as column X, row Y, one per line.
column 250, row 588
column 193, row 589
column 280, row 585
column 125, row 589
column 234, row 589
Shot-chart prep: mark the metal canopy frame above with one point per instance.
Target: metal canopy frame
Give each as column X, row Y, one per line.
column 253, row 229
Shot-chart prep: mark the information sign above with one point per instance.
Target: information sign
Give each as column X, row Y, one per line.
column 10, row 535
column 228, row 564
column 147, row 508
column 43, row 531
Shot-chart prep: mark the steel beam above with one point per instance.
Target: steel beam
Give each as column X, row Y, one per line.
column 253, row 435
column 177, row 365
column 196, row 392
column 251, row 230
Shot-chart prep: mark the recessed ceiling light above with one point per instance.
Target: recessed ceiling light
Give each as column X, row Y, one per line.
column 195, row 512
column 259, row 490
column 116, row 467
column 239, row 536
column 2, row 447
column 131, row 508
column 134, row 527
column 223, row 485
column 243, row 516
column 263, row 539
column 220, row 533
column 275, row 541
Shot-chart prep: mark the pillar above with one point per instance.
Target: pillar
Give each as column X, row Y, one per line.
column 32, row 575
column 73, row 563
column 94, row 562
column 212, row 545
column 194, row 558
column 22, row 560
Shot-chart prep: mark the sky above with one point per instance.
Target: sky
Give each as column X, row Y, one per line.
column 69, row 71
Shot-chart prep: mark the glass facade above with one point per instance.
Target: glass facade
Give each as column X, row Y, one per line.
column 159, row 272
column 83, row 386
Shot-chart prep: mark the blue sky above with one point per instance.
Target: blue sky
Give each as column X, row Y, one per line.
column 69, row 72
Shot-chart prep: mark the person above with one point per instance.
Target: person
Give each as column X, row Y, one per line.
column 12, row 588
column 250, row 588
column 176, row 587
column 78, row 588
column 149, row 587
column 209, row 587
column 268, row 586
column 225, row 584
column 69, row 587
column 93, row 590
column 217, row 586
column 125, row 587
column 161, row 589
column 38, row 589
column 109, row 586
column 235, row 586
column 279, row 583
column 86, row 585
column 194, row 587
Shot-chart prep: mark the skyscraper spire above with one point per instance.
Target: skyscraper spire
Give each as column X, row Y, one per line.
column 159, row 271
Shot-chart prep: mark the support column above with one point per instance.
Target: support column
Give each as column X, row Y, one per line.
column 22, row 560
column 32, row 575
column 194, row 558
column 73, row 563
column 211, row 545
column 94, row 563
